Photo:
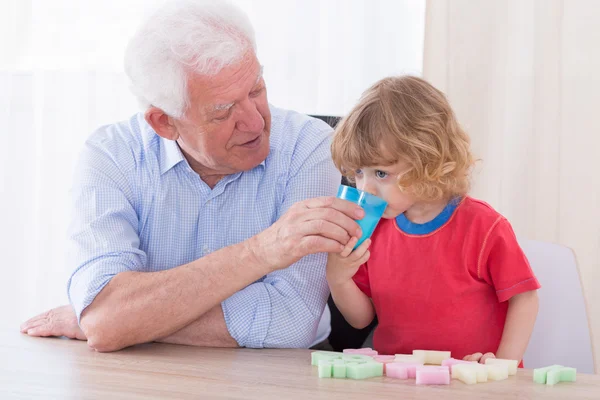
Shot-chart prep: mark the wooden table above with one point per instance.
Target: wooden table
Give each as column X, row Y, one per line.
column 66, row 369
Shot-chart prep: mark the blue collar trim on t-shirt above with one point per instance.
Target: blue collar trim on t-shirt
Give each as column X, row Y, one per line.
column 412, row 228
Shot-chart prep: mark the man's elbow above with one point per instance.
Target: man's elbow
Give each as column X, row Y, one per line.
column 101, row 336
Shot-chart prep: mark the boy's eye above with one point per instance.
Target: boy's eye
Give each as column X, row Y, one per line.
column 381, row 174
column 358, row 172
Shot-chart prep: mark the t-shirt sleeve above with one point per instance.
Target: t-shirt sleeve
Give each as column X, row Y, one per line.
column 361, row 278
column 503, row 264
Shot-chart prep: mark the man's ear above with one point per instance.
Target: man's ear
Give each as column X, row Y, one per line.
column 161, row 123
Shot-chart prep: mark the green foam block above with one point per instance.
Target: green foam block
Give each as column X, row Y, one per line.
column 356, row 358
column 325, row 369
column 339, row 369
column 564, row 374
column 540, row 374
column 317, row 356
column 364, row 370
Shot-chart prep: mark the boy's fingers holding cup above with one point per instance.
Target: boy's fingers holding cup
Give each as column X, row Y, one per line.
column 360, row 251
column 348, row 249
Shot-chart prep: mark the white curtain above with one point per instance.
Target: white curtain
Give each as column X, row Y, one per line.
column 523, row 78
column 61, row 77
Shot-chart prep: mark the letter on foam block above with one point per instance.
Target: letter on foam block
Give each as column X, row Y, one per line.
column 410, row 358
column 464, row 374
column 512, row 364
column 356, row 358
column 539, row 374
column 367, row 351
column 432, row 357
column 411, row 369
column 433, row 375
column 384, row 360
column 562, row 374
column 398, row 370
column 470, row 373
column 453, row 361
column 364, row 370
column 339, row 369
column 325, row 368
column 317, row 356
column 497, row 372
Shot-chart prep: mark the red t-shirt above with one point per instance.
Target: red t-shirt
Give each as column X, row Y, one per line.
column 447, row 289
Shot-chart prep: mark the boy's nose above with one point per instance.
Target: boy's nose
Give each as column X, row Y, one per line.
column 367, row 187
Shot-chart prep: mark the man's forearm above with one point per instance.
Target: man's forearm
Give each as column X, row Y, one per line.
column 138, row 307
column 209, row 330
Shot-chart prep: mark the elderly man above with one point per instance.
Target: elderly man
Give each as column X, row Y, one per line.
column 205, row 220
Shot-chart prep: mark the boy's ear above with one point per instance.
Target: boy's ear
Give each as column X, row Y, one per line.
column 161, row 123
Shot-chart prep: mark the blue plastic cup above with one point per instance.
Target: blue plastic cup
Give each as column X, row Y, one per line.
column 373, row 206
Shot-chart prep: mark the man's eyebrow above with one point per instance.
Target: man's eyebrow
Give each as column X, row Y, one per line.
column 223, row 107
column 260, row 74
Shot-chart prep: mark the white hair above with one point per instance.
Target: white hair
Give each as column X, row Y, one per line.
column 182, row 37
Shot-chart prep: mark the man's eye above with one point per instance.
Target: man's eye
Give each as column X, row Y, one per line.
column 256, row 92
column 222, row 117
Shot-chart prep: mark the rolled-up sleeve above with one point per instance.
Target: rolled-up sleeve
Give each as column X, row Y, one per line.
column 103, row 234
column 284, row 308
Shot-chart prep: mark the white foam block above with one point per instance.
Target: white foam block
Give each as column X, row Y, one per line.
column 511, row 364
column 432, row 357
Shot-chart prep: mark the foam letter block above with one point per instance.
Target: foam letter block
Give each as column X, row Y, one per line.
column 453, row 361
column 367, row 351
column 563, row 374
column 364, row 370
column 356, row 358
column 432, row 357
column 497, row 372
column 398, row 370
column 539, row 374
column 433, row 375
column 384, row 360
column 339, row 369
column 464, row 374
column 512, row 364
column 410, row 358
column 316, row 356
column 325, row 368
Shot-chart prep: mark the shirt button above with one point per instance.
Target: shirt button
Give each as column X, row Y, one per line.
column 206, row 250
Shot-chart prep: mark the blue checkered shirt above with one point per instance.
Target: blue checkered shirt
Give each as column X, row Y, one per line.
column 138, row 206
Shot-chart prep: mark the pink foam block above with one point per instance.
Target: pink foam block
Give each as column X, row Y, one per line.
column 367, row 351
column 402, row 370
column 433, row 375
column 384, row 360
column 453, row 361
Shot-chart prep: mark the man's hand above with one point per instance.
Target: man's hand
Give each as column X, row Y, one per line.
column 320, row 225
column 479, row 357
column 60, row 321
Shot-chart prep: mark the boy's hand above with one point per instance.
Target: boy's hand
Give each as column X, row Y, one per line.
column 479, row 357
column 342, row 267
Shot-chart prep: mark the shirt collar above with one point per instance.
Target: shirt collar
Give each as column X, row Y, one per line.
column 170, row 154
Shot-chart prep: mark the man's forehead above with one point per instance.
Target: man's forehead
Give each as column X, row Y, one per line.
column 225, row 106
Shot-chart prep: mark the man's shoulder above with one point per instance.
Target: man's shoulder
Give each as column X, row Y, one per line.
column 292, row 131
column 125, row 143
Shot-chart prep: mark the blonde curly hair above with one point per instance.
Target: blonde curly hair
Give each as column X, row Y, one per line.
column 406, row 119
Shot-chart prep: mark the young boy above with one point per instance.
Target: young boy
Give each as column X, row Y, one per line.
column 442, row 271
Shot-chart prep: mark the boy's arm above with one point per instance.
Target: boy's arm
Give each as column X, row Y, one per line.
column 354, row 305
column 520, row 319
